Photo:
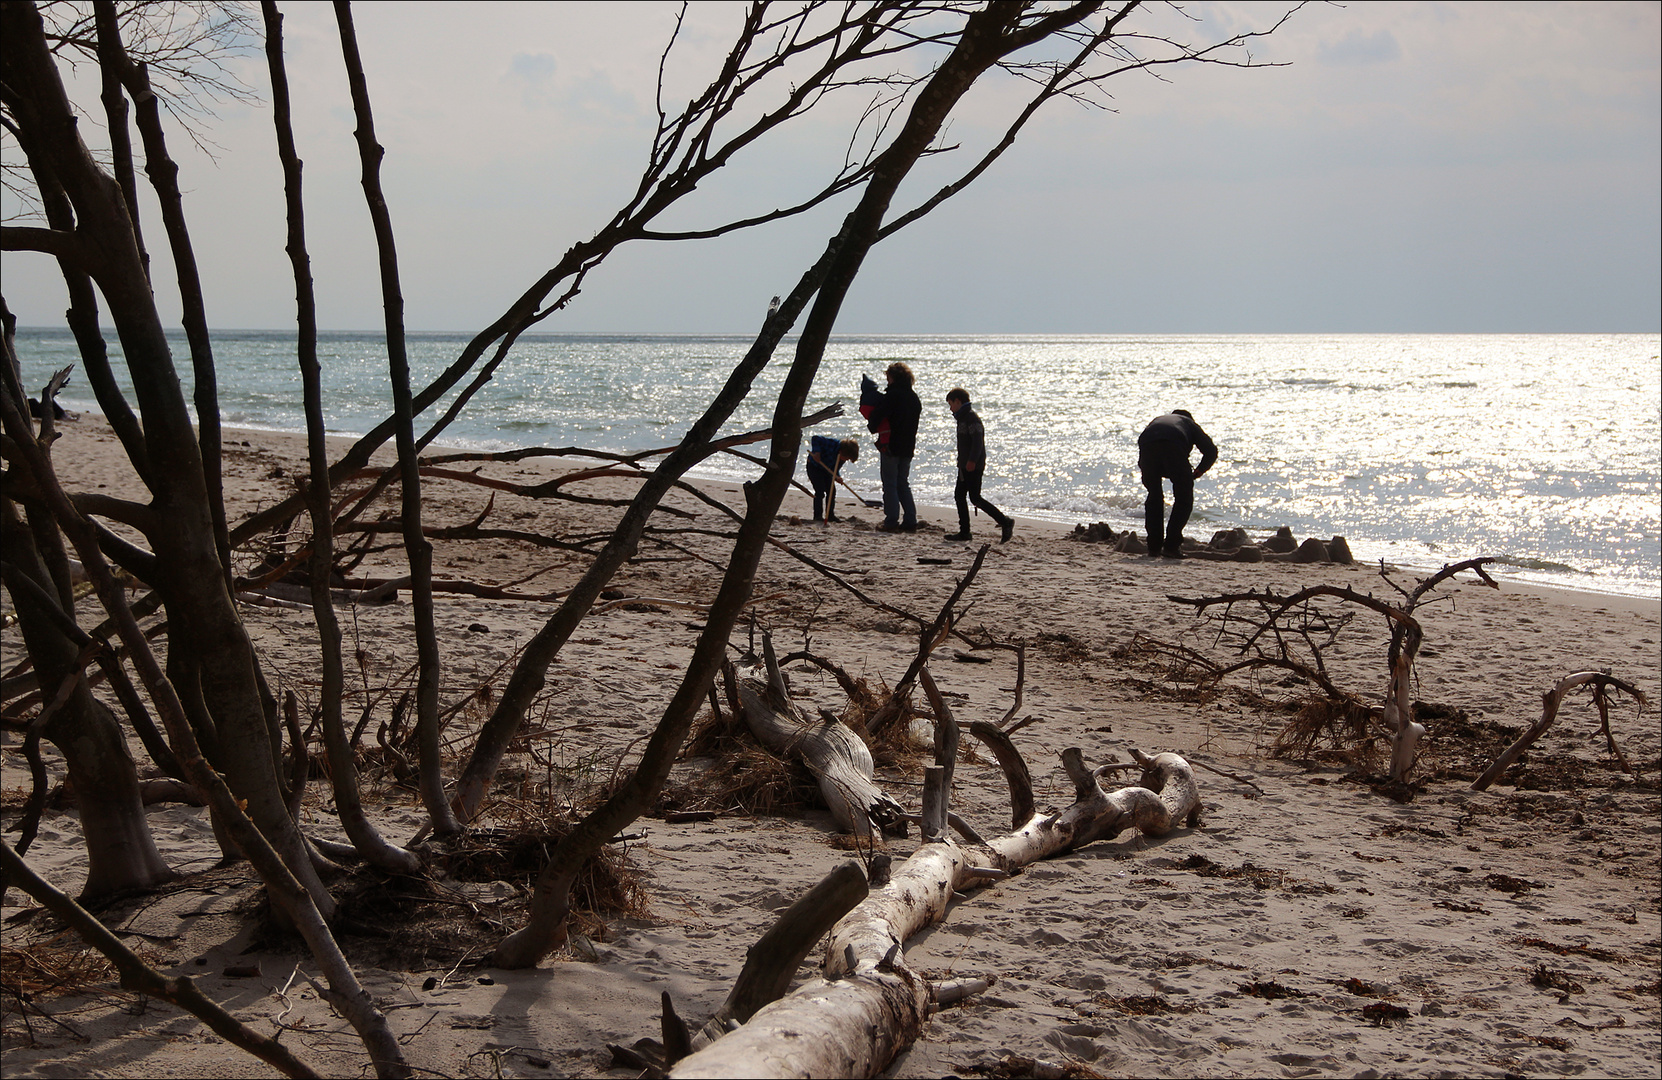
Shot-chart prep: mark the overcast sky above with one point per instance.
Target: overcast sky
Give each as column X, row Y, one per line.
column 1444, row 167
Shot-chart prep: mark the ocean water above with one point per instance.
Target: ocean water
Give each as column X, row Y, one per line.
column 1540, row 450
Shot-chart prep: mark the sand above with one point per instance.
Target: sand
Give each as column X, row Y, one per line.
column 1310, row 926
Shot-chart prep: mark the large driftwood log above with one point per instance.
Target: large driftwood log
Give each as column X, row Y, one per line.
column 869, row 1005
column 839, row 759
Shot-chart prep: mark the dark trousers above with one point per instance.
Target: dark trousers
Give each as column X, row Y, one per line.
column 1162, row 461
column 969, row 491
column 825, row 491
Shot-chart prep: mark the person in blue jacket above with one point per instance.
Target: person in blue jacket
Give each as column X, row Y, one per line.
column 1163, row 454
column 825, row 461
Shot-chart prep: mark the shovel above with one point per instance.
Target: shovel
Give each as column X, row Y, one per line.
column 869, row 504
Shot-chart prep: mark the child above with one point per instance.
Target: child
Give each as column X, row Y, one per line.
column 825, row 459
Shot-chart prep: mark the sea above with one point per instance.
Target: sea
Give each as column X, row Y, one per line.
column 1541, row 451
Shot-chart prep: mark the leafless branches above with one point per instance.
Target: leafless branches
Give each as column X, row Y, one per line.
column 1291, row 633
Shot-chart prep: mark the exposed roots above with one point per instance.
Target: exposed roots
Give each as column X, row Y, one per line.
column 1340, row 731
column 736, row 775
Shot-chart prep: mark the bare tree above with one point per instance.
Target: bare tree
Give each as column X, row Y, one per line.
column 222, row 722
column 988, row 36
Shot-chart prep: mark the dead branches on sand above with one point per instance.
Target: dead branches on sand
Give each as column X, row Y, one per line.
column 1291, row 632
column 869, row 1005
column 1601, row 683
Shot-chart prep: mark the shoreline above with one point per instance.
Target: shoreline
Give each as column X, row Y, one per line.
column 946, row 516
column 1307, row 924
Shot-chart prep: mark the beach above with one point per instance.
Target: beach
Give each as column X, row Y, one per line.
column 1309, row 925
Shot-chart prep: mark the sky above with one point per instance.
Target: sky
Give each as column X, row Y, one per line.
column 1403, row 167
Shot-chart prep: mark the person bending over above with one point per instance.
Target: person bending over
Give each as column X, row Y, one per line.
column 1163, row 454
column 972, row 466
column 825, row 461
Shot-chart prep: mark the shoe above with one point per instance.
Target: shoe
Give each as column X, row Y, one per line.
column 887, row 528
column 832, row 517
column 957, row 537
column 1009, row 528
column 913, row 527
column 1172, row 553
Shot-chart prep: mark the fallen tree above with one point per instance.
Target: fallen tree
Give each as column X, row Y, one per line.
column 837, row 757
column 869, row 1005
column 1290, row 632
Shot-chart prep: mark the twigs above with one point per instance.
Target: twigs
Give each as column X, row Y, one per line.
column 1230, row 775
column 139, row 976
column 928, row 640
column 1291, row 632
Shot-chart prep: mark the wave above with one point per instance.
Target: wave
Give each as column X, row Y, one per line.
column 1518, row 562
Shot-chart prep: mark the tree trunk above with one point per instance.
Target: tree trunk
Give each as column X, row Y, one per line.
column 418, row 549
column 838, row 758
column 121, row 853
column 869, row 1005
column 343, row 772
column 209, row 651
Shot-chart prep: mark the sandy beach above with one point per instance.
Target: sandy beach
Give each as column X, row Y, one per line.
column 1309, row 926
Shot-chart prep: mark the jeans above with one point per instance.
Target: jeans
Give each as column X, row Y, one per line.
column 898, row 508
column 825, row 491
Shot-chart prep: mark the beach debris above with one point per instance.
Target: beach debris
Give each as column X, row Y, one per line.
column 1381, row 1013
column 1270, row 990
column 1290, row 633
column 868, row 1002
column 1508, row 884
column 1143, row 1004
column 1550, row 979
column 1602, row 683
column 838, row 758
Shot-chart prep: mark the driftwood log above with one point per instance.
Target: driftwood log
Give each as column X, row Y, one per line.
column 869, row 1005
column 838, row 758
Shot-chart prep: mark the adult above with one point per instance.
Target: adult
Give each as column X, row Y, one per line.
column 825, row 461
column 1163, row 454
column 972, row 466
column 900, row 409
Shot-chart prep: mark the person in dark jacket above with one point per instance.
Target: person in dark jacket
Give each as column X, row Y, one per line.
column 972, row 466
column 825, row 461
column 900, row 409
column 1163, row 454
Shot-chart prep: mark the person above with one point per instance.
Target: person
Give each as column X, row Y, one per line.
column 972, row 466
column 825, row 461
column 899, row 409
column 1163, row 454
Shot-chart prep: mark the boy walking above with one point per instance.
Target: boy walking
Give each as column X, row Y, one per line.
column 972, row 465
